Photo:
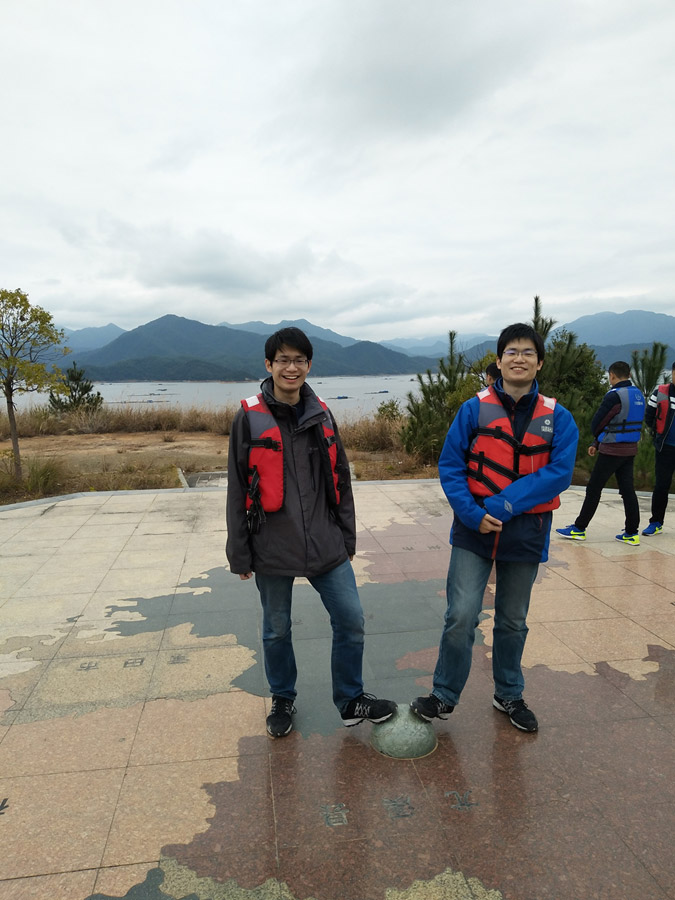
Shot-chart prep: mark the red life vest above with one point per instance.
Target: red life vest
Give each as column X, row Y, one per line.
column 496, row 458
column 662, row 407
column 266, row 457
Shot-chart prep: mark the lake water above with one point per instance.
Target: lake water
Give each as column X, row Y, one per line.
column 348, row 397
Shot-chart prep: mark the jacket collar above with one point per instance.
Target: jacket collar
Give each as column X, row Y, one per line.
column 525, row 402
column 312, row 408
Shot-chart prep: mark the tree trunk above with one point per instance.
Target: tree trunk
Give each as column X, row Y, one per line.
column 14, row 437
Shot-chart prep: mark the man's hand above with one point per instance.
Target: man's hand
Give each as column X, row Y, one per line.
column 489, row 523
column 592, row 450
column 246, row 576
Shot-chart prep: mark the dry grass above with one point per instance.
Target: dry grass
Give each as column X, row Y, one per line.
column 50, row 476
column 40, row 420
column 134, row 449
column 388, row 466
column 375, row 449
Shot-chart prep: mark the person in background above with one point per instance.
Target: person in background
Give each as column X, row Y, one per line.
column 659, row 418
column 617, row 426
column 290, row 513
column 491, row 373
column 508, row 454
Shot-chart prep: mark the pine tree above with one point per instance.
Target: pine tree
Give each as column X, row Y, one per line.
column 441, row 394
column 648, row 367
column 78, row 393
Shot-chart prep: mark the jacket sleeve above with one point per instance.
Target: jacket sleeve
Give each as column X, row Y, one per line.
column 547, row 482
column 610, row 406
column 452, row 465
column 238, row 547
column 345, row 513
column 650, row 410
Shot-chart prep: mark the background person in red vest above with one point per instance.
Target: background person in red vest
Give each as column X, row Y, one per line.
column 290, row 513
column 617, row 426
column 659, row 419
column 508, row 454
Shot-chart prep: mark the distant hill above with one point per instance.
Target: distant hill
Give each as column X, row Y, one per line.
column 637, row 326
column 91, row 338
column 312, row 331
column 609, row 353
column 437, row 346
column 173, row 348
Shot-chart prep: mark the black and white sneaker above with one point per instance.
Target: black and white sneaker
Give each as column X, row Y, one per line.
column 431, row 707
column 279, row 721
column 367, row 707
column 518, row 712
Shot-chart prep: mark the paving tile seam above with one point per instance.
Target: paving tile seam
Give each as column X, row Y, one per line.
column 28, row 878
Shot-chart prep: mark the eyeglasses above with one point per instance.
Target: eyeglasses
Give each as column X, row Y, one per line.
column 511, row 353
column 298, row 361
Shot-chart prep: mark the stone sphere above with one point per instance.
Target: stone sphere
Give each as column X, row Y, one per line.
column 404, row 736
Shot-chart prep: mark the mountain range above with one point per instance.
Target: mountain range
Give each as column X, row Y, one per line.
column 173, row 348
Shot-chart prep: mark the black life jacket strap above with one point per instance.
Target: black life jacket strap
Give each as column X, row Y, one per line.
column 267, row 443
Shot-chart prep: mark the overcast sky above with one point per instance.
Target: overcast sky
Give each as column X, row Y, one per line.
column 380, row 167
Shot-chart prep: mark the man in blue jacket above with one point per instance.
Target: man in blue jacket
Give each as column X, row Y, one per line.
column 617, row 425
column 509, row 453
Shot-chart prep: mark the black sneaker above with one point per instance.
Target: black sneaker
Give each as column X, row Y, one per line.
column 518, row 712
column 431, row 707
column 279, row 722
column 367, row 707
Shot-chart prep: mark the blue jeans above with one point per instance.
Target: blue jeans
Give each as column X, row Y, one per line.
column 340, row 596
column 467, row 579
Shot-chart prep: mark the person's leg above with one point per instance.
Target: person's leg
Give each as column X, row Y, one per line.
column 624, row 480
column 664, row 467
column 340, row 596
column 512, row 601
column 602, row 471
column 467, row 578
column 275, row 597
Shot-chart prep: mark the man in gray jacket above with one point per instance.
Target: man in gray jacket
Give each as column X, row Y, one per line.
column 290, row 513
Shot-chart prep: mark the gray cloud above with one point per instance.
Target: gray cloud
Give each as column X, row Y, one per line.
column 382, row 168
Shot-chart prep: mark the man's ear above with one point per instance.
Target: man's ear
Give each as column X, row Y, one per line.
column 268, row 366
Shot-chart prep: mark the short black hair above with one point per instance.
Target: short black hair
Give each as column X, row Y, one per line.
column 520, row 331
column 492, row 369
column 673, row 366
column 291, row 337
column 621, row 369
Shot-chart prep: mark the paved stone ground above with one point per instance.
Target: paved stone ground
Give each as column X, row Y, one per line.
column 133, row 756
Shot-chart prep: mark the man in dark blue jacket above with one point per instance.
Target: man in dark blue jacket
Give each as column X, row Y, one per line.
column 509, row 453
column 617, row 425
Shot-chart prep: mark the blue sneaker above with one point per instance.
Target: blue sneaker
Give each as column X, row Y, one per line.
column 572, row 532
column 632, row 539
column 653, row 528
